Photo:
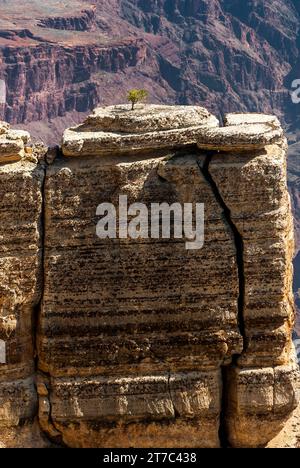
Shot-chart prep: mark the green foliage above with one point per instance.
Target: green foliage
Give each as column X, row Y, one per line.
column 136, row 95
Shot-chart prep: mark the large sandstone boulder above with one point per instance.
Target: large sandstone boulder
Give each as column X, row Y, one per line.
column 142, row 342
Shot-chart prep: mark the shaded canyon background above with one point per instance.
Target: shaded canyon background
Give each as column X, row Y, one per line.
column 60, row 59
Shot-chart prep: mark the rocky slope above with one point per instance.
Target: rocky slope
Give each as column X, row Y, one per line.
column 138, row 341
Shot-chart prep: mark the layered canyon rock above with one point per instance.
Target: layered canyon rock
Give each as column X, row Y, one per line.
column 21, row 282
column 62, row 59
column 121, row 342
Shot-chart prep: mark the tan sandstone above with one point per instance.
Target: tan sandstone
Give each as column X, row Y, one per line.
column 20, row 292
column 142, row 343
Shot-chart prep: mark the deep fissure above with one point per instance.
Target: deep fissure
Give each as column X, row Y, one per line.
column 38, row 307
column 239, row 246
column 56, row 438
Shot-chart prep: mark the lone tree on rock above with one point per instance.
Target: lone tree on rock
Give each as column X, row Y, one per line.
column 136, row 95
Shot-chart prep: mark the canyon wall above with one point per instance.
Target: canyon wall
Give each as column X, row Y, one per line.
column 141, row 342
column 46, row 81
column 21, row 286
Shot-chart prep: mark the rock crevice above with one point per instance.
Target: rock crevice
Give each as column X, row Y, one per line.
column 239, row 245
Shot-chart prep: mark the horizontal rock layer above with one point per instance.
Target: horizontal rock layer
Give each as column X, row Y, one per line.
column 37, row 69
column 119, row 129
column 13, row 144
column 20, row 293
column 141, row 342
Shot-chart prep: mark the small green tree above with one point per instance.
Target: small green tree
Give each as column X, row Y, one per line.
column 136, row 95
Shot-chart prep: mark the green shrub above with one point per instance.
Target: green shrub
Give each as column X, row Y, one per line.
column 136, row 95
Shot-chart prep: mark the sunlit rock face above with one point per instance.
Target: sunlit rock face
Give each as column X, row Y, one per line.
column 142, row 342
column 21, row 251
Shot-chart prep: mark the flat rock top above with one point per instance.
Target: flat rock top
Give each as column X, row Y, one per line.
column 121, row 129
column 147, row 118
column 253, row 118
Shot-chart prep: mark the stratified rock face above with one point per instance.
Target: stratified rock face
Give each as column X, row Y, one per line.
column 261, row 386
column 61, row 58
column 69, row 73
column 12, row 144
column 20, row 291
column 83, row 21
column 118, row 128
column 142, row 342
column 140, row 339
column 138, row 313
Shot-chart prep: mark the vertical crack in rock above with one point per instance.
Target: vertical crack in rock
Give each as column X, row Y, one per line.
column 37, row 309
column 176, row 412
column 43, row 398
column 47, row 425
column 169, row 374
column 238, row 241
column 223, row 433
column 239, row 246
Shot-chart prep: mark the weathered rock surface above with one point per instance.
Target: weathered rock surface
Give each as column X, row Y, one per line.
column 13, row 144
column 150, row 118
column 150, row 359
column 119, row 129
column 253, row 118
column 260, row 209
column 242, row 137
column 20, row 293
column 141, row 342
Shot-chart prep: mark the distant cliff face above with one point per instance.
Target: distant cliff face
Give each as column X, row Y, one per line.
column 222, row 51
column 47, row 81
column 58, row 61
column 186, row 51
column 136, row 341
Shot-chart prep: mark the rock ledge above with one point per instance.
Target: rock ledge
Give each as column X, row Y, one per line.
column 119, row 129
